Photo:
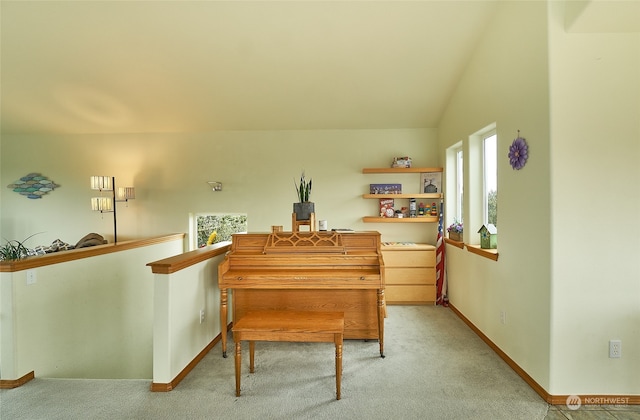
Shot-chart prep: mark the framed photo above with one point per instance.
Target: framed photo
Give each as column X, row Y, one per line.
column 431, row 182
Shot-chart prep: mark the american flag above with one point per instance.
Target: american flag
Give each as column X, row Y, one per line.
column 441, row 279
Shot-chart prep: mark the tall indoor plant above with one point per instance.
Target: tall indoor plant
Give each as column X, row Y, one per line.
column 303, row 208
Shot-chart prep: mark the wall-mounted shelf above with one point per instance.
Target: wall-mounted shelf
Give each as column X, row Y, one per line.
column 417, row 196
column 399, row 170
column 492, row 254
column 419, row 219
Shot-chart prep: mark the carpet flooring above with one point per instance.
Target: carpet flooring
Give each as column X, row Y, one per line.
column 435, row 368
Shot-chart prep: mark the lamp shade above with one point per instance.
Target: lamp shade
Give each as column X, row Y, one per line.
column 102, row 183
column 126, row 193
column 102, row 204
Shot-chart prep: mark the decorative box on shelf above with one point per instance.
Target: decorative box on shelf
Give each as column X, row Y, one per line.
column 385, row 188
column 401, row 162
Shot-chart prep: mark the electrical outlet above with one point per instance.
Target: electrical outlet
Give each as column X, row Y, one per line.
column 31, row 277
column 503, row 317
column 615, row 349
column 201, row 316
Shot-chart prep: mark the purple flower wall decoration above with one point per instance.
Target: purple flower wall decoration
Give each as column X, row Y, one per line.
column 518, row 153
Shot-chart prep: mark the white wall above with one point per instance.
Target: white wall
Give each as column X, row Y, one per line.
column 595, row 148
column 178, row 334
column 506, row 83
column 170, row 174
column 86, row 318
column 568, row 273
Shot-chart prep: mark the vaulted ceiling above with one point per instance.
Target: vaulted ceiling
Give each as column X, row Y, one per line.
column 185, row 66
column 173, row 66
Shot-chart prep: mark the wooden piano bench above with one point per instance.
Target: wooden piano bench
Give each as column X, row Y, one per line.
column 291, row 326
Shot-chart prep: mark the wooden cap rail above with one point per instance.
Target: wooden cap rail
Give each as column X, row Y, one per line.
column 76, row 254
column 187, row 259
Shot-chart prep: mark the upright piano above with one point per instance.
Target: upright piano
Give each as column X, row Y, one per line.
column 308, row 271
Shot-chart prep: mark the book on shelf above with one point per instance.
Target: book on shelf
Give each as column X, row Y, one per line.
column 386, row 207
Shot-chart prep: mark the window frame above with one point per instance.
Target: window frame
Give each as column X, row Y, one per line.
column 454, row 202
column 459, row 177
column 474, row 186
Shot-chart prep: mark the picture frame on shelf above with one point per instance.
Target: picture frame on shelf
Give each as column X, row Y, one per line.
column 431, row 182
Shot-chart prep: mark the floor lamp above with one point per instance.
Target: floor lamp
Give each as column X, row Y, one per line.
column 106, row 204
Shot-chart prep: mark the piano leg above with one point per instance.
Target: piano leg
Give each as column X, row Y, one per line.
column 252, row 358
column 223, row 321
column 381, row 314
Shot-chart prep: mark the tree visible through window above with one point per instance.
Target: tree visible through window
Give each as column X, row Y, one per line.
column 459, row 184
column 490, row 148
column 224, row 225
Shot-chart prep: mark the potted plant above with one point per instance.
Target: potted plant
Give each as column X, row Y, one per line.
column 455, row 231
column 14, row 250
column 303, row 208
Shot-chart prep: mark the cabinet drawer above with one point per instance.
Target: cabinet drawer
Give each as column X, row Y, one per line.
column 410, row 275
column 409, row 258
column 410, row 294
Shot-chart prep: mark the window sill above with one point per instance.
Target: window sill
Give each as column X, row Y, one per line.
column 492, row 254
column 458, row 244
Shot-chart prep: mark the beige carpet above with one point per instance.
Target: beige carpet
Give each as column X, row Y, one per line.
column 435, row 368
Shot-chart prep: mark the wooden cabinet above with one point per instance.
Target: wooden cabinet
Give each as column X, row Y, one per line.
column 417, row 196
column 410, row 273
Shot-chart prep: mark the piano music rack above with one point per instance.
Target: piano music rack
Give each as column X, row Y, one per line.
column 284, row 242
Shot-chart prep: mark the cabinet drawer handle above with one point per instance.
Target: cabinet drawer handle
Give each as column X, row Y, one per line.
column 239, row 277
column 362, row 278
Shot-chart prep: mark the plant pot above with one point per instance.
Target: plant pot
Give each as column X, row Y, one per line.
column 303, row 210
column 455, row 236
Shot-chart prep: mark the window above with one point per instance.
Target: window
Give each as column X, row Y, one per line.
column 472, row 173
column 454, row 184
column 490, row 177
column 225, row 225
column 459, row 159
